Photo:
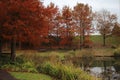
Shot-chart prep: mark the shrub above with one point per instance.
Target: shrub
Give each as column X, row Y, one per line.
column 28, row 67
column 72, row 52
column 117, row 52
column 114, row 46
column 64, row 72
column 48, row 68
column 21, row 64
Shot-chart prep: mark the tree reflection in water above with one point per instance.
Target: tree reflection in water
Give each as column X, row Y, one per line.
column 107, row 68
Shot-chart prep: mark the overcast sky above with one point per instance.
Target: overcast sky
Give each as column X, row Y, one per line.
column 111, row 5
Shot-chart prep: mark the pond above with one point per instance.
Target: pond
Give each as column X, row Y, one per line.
column 107, row 68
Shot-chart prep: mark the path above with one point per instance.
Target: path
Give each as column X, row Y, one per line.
column 4, row 75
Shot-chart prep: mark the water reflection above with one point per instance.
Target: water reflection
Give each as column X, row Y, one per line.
column 107, row 68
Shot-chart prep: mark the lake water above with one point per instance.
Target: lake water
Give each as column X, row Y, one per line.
column 107, row 68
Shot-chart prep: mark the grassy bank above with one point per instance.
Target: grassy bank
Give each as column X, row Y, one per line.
column 50, row 63
column 110, row 41
column 58, row 64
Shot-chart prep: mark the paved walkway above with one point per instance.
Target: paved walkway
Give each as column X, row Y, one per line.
column 4, row 75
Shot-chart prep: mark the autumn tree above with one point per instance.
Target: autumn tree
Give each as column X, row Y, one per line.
column 116, row 34
column 55, row 32
column 83, row 19
column 105, row 22
column 68, row 24
column 116, row 29
column 49, row 15
column 19, row 19
column 24, row 20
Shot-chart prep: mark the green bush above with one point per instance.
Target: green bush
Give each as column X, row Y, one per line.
column 11, row 67
column 48, row 68
column 117, row 52
column 72, row 52
column 21, row 64
column 25, row 67
column 64, row 72
column 28, row 67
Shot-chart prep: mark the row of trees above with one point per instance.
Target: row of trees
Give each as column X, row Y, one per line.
column 70, row 23
column 30, row 22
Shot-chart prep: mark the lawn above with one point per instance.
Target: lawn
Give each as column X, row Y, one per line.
column 111, row 40
column 30, row 76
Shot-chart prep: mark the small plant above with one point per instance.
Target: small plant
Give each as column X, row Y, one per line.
column 28, row 67
column 72, row 52
column 117, row 52
column 21, row 64
column 11, row 67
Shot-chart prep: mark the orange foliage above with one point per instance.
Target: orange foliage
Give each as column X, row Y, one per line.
column 25, row 19
column 30, row 21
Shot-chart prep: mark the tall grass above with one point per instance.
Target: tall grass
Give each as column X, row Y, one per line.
column 64, row 72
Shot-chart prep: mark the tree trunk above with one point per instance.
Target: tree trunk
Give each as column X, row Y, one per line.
column 0, row 45
column 58, row 42
column 80, row 42
column 19, row 44
column 83, row 38
column 104, row 40
column 80, row 30
column 13, row 46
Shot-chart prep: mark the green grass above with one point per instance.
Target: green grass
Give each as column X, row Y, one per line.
column 111, row 40
column 30, row 76
column 97, row 39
